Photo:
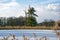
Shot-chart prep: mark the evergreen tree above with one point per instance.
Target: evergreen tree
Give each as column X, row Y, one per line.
column 31, row 20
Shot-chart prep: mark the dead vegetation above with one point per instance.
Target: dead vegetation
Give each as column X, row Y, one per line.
column 27, row 27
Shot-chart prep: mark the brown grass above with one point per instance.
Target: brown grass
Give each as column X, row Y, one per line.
column 27, row 27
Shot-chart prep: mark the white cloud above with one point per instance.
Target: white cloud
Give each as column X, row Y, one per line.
column 10, row 9
column 50, row 11
column 50, row 1
column 54, row 7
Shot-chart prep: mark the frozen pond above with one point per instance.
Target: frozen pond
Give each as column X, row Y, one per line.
column 40, row 33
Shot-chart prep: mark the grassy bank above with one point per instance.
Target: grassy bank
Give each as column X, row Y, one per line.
column 26, row 27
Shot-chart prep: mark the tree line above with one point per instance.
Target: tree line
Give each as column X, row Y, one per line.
column 28, row 20
column 21, row 21
column 47, row 22
column 12, row 21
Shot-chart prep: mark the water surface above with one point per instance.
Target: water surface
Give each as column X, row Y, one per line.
column 40, row 33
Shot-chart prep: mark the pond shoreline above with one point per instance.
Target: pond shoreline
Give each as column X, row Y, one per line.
column 26, row 27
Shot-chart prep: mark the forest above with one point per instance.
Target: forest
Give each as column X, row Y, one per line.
column 28, row 20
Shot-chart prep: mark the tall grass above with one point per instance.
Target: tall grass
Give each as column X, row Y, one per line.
column 27, row 27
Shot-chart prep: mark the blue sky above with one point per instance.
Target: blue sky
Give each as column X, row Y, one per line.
column 45, row 9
